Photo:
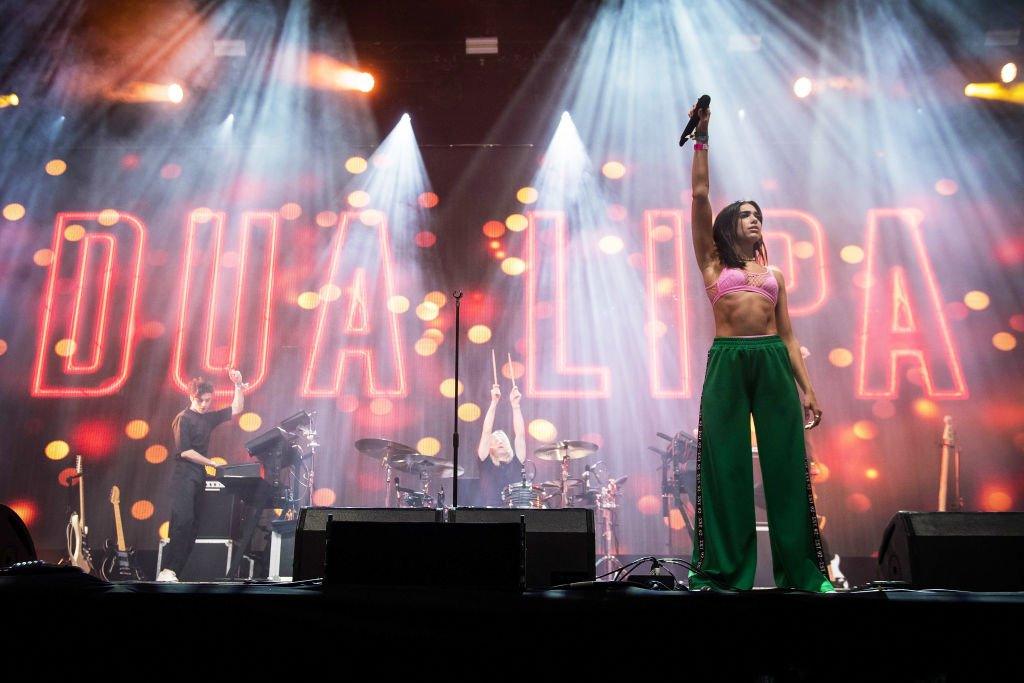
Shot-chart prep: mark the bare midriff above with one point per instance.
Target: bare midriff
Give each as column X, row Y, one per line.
column 744, row 314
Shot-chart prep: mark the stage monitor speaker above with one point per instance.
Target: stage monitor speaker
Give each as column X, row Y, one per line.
column 981, row 551
column 311, row 534
column 482, row 556
column 559, row 543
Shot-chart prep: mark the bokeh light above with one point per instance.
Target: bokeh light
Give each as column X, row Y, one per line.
column 371, row 216
column 425, row 346
column 308, row 300
column 479, row 334
column 57, row 450
column 290, row 211
column 324, row 497
column 64, row 348
column 871, row 473
column 355, row 165
column 163, row 531
column 330, row 292
column 156, row 454
column 527, row 195
column 56, row 167
column 136, row 429
column 142, row 509
column 513, row 265
column 3, row 346
column 326, row 219
column 428, row 200
column 840, row 357
column 425, row 239
column 851, row 254
column 249, row 422
column 494, row 229
column 381, row 406
column 858, row 502
column 976, row 300
column 1008, row 74
column 14, row 212
column 613, row 170
column 946, row 187
column 447, row 388
column 43, row 257
column 108, row 217
column 428, row 445
column 74, row 232
column 926, row 408
column 517, row 222
column 804, row 249
column 865, row 429
column 469, row 412
column 427, row 311
column 1004, row 341
column 398, row 304
column 542, row 430
column 358, row 198
column 437, row 298
column 611, row 244
column 663, row 233
column 803, row 86
column 996, row 499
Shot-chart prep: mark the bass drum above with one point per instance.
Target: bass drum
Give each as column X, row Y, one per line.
column 523, row 496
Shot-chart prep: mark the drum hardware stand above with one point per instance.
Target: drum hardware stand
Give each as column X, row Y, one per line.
column 672, row 485
column 565, row 478
column 385, row 462
column 609, row 539
column 950, row 450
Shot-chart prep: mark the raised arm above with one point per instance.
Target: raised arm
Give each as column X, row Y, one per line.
column 700, row 207
column 238, row 399
column 484, row 448
column 518, row 424
column 785, row 328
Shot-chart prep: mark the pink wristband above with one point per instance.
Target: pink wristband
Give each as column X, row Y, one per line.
column 698, row 146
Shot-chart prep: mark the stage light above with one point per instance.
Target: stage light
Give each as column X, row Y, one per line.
column 996, row 91
column 513, row 266
column 175, row 93
column 398, row 304
column 447, row 388
column 427, row 311
column 516, row 222
column 56, row 167
column 840, row 357
column 3, row 346
column 871, row 473
column 865, row 430
column 308, row 300
column 542, row 430
column 613, row 170
column 425, row 346
column 9, row 100
column 350, row 79
column 494, row 229
column 43, row 257
column 469, row 412
column 425, row 239
column 141, row 91
column 327, row 219
column 64, row 347
column 381, row 406
column 1008, row 74
column 479, row 334
column 358, row 199
column 437, row 298
column 802, row 87
column 428, row 445
column 851, row 254
column 611, row 244
column 249, row 422
column 946, row 187
column 14, row 212
column 527, row 195
column 142, row 509
column 330, row 292
column 290, row 211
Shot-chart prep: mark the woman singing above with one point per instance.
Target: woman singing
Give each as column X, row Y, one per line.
column 752, row 365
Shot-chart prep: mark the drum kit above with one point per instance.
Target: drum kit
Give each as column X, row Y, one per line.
column 591, row 489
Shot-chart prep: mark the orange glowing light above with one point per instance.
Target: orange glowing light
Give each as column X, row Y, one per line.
column 142, row 509
column 425, row 346
column 330, row 292
column 871, row 473
column 355, row 165
column 513, row 265
column 425, row 239
column 326, row 219
column 249, row 422
column 851, row 254
column 435, row 334
column 64, row 348
column 447, row 388
column 324, row 497
column 946, row 187
column 840, row 357
column 976, row 300
column 494, row 229
column 1004, row 341
column 381, row 406
column 163, row 531
column 156, row 454
column 613, row 170
column 803, row 249
column 517, row 222
column 74, row 232
column 3, row 346
column 428, row 445
column 437, row 298
column 290, row 211
column 428, row 200
column 137, row 429
column 427, row 311
column 14, row 212
column 56, row 167
column 926, row 408
column 527, row 195
column 995, row 499
column 469, row 412
column 542, row 430
column 371, row 217
column 43, row 257
column 865, row 429
column 308, row 300
column 57, row 450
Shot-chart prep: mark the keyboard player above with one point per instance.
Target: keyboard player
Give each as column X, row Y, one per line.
column 192, row 428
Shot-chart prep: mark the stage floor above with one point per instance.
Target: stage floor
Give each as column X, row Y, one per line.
column 68, row 621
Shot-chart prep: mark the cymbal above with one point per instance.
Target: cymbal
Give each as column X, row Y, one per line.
column 380, row 448
column 417, row 463
column 559, row 449
column 557, row 485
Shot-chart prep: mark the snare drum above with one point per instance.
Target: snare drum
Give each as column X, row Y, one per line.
column 523, row 496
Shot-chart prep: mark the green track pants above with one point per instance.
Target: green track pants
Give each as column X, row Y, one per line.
column 753, row 376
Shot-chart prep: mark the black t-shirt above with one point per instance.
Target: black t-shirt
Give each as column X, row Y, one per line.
column 192, row 432
column 494, row 478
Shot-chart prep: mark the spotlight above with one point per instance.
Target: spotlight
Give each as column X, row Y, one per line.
column 1008, row 73
column 9, row 100
column 996, row 91
column 175, row 93
column 802, row 87
column 350, row 79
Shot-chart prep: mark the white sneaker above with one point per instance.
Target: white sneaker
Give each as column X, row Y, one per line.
column 167, row 576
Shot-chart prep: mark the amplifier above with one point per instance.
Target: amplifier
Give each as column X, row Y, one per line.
column 311, row 534
column 219, row 512
column 210, row 560
column 559, row 543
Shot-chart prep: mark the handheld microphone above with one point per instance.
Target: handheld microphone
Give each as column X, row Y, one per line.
column 703, row 103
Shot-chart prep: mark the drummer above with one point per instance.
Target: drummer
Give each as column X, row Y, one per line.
column 500, row 464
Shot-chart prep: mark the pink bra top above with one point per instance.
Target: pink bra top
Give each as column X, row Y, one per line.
column 739, row 280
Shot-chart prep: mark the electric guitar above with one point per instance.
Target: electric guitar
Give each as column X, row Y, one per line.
column 77, row 531
column 119, row 562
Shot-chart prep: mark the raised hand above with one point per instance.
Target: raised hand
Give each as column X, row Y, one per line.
column 495, row 394
column 702, row 121
column 235, row 376
column 515, row 397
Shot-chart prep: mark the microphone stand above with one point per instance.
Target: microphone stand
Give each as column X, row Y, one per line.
column 457, row 295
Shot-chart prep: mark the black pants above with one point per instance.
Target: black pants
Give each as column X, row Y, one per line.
column 187, row 485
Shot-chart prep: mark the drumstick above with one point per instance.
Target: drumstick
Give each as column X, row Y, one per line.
column 511, row 371
column 494, row 365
